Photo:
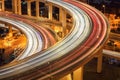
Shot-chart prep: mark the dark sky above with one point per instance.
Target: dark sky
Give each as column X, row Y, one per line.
column 104, row 1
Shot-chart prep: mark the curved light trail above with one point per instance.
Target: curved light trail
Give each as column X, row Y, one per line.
column 37, row 40
column 88, row 35
column 30, row 34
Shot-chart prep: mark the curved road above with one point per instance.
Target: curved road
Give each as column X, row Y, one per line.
column 88, row 35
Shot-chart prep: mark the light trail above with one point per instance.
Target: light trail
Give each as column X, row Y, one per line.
column 30, row 34
column 88, row 35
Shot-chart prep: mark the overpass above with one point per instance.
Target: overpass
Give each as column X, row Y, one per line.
column 83, row 42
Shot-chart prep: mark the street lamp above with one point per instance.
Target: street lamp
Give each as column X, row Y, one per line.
column 41, row 12
column 103, row 8
column 57, row 16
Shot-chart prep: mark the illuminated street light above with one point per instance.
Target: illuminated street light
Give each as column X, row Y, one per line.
column 41, row 12
column 57, row 16
column 103, row 8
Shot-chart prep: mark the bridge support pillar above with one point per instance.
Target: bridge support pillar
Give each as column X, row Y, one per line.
column 14, row 6
column 37, row 8
column 50, row 11
column 19, row 7
column 10, row 31
column 2, row 5
column 67, row 77
column 78, row 74
column 62, row 18
column 99, row 62
column 29, row 8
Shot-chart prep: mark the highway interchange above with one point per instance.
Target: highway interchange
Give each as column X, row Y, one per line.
column 88, row 35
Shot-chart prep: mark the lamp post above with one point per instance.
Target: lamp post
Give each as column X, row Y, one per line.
column 57, row 16
column 41, row 12
column 103, row 8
